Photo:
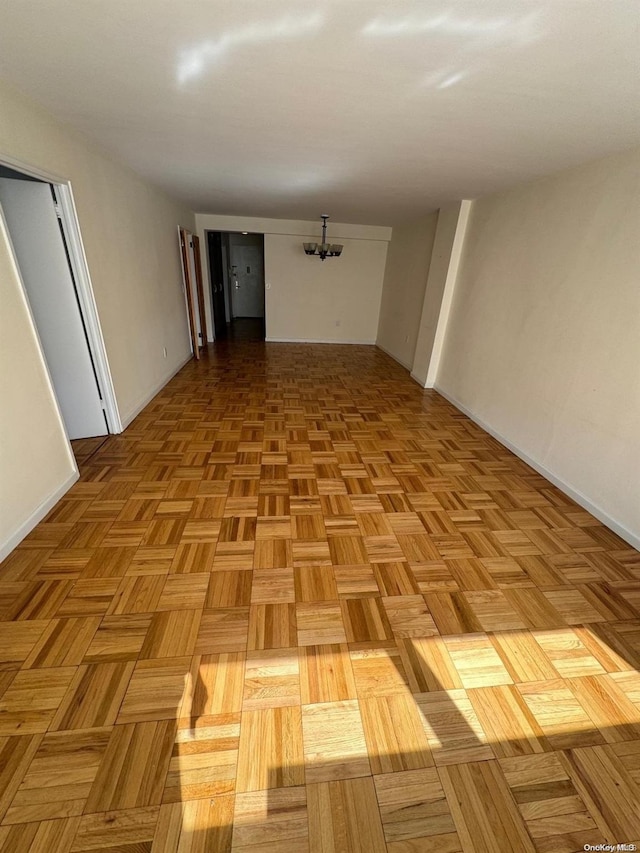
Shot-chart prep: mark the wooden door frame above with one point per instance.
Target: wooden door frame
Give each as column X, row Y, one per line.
column 215, row 266
column 186, row 273
column 199, row 288
column 84, row 288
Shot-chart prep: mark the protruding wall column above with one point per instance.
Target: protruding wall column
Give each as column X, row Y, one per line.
column 441, row 282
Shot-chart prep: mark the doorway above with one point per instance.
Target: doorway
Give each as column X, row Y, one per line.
column 236, row 274
column 42, row 225
column 193, row 289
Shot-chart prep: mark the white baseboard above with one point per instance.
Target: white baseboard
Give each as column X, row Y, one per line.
column 316, row 341
column 394, row 357
column 133, row 413
column 36, row 517
column 420, row 382
column 574, row 494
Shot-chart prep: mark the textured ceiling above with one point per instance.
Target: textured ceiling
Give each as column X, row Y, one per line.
column 373, row 112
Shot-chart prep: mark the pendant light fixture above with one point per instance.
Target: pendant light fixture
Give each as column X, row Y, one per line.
column 323, row 250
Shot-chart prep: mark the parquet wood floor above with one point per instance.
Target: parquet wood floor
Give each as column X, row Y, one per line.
column 303, row 606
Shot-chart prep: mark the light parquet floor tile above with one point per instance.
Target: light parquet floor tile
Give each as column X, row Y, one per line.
column 64, row 642
column 229, row 589
column 273, row 585
column 302, row 605
column 118, row 638
column 326, row 674
column 204, row 758
column 184, row 592
column 493, row 610
column 561, row 716
column 484, row 812
column 94, row 696
column 156, row 690
column 553, row 810
column 378, row 670
column 365, row 620
column 428, row 664
column 413, row 806
column 453, row 729
column 273, row 821
column 507, row 721
column 477, row 661
column 223, row 630
column 172, row 633
column 394, row 732
column 48, row 836
column 59, row 777
column 31, row 700
column 608, row 790
column 193, row 826
column 279, row 761
column 272, row 626
column 409, row 616
column 343, row 816
column 574, row 608
column 568, row 654
column 128, row 829
column 133, row 769
column 18, row 639
column 137, row 594
column 523, row 657
column 320, row 623
column 334, row 742
column 272, row 679
column 16, row 755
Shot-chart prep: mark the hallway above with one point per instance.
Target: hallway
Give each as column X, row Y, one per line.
column 245, row 329
column 302, row 604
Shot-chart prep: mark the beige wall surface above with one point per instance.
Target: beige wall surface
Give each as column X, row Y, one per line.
column 405, row 280
column 441, row 256
column 35, row 461
column 129, row 231
column 543, row 343
column 308, row 299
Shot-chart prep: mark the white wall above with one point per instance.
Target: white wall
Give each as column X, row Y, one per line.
column 543, row 344
column 32, row 438
column 129, row 233
column 307, row 297
column 405, row 280
column 443, row 269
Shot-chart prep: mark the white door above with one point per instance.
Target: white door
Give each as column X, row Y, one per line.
column 37, row 241
column 247, row 281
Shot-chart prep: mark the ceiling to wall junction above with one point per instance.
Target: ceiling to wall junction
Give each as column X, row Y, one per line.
column 374, row 112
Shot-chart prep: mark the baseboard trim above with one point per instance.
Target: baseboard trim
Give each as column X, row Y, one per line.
column 126, row 420
column 574, row 494
column 420, row 382
column 317, row 341
column 394, row 357
column 36, row 516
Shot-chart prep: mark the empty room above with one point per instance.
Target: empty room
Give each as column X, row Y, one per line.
column 319, row 426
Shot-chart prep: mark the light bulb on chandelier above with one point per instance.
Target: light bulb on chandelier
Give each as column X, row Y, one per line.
column 323, row 250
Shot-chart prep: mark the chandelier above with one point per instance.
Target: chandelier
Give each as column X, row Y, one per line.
column 323, row 250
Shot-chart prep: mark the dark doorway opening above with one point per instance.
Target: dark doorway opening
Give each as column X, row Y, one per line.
column 236, row 274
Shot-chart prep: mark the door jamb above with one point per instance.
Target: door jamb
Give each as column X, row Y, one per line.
column 88, row 305
column 84, row 287
column 183, row 236
column 197, row 262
